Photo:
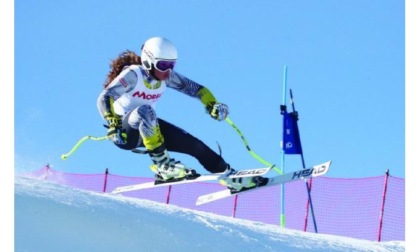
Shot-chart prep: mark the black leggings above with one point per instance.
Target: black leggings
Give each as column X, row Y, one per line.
column 178, row 140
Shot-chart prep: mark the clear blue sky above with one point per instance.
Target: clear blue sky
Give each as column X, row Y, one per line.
column 346, row 67
column 51, row 217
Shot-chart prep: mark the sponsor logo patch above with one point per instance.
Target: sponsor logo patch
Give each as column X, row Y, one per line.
column 145, row 96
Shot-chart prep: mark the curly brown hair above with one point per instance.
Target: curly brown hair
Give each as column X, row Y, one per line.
column 125, row 58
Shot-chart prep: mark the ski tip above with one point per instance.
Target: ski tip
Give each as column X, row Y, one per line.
column 327, row 163
column 321, row 169
column 200, row 201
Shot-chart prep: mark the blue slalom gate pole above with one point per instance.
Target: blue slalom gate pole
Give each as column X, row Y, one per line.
column 308, row 188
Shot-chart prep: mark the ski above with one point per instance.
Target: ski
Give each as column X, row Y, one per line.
column 315, row 171
column 201, row 178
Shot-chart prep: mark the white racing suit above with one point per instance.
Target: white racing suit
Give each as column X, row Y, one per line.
column 132, row 96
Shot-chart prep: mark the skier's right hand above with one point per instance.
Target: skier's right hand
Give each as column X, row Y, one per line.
column 115, row 132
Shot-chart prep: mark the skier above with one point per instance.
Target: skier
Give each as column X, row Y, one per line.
column 127, row 102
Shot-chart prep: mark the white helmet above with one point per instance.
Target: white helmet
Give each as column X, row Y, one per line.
column 158, row 49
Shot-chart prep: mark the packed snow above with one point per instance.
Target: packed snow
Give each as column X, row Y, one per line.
column 53, row 217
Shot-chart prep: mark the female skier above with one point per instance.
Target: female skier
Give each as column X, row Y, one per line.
column 127, row 102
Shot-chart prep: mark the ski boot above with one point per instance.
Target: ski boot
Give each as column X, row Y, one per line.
column 242, row 183
column 166, row 169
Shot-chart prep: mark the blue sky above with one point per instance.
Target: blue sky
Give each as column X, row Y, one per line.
column 345, row 65
column 51, row 217
column 345, row 60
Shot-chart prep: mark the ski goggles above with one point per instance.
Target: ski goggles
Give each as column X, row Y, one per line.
column 164, row 65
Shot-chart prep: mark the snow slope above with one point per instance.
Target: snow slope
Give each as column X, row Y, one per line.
column 52, row 217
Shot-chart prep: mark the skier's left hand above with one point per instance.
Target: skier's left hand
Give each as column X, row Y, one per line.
column 218, row 111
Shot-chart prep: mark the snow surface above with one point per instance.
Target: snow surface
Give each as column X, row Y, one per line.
column 52, row 217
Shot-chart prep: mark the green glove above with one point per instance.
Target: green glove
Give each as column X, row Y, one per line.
column 115, row 132
column 217, row 111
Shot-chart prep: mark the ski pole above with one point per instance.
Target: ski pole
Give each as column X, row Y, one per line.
column 64, row 156
column 249, row 148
